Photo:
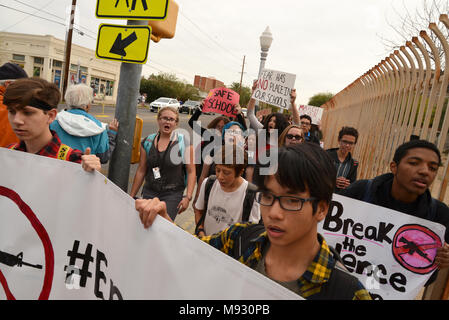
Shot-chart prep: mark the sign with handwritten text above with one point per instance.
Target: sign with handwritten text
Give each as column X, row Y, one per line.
column 316, row 113
column 391, row 253
column 274, row 88
column 221, row 100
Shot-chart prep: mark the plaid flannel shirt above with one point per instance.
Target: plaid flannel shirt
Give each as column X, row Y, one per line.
column 310, row 283
column 54, row 149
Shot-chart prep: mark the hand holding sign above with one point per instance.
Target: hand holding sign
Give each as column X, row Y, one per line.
column 223, row 101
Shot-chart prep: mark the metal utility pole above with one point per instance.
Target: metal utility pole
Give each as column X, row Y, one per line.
column 68, row 49
column 241, row 77
column 125, row 112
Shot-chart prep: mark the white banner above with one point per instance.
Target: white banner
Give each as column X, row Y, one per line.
column 69, row 234
column 316, row 113
column 391, row 253
column 274, row 88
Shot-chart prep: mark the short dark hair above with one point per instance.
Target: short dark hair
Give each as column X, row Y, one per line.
column 304, row 166
column 237, row 154
column 306, row 116
column 402, row 150
column 350, row 131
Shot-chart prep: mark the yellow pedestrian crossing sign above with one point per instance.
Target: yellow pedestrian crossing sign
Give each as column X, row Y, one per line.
column 132, row 9
column 123, row 43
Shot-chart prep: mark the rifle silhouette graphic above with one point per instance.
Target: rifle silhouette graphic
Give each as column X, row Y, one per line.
column 413, row 247
column 12, row 260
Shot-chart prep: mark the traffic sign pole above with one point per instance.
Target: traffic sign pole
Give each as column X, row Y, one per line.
column 125, row 112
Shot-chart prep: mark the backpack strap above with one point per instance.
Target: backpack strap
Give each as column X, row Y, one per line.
column 367, row 196
column 341, row 284
column 250, row 196
column 244, row 240
column 432, row 210
column 149, row 142
column 209, row 183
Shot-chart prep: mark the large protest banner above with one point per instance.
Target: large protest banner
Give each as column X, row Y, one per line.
column 221, row 100
column 69, row 234
column 391, row 253
column 316, row 113
column 275, row 87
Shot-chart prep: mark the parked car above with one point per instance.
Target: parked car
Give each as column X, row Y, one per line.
column 164, row 102
column 189, row 106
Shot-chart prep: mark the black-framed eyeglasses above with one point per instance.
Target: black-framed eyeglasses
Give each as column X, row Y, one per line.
column 347, row 143
column 289, row 203
column 295, row 136
column 304, row 123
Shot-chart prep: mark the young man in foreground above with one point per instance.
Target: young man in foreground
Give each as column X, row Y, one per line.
column 287, row 247
column 32, row 106
column 406, row 189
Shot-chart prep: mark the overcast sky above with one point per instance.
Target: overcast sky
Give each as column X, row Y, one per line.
column 326, row 43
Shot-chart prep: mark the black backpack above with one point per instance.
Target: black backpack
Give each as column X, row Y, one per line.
column 250, row 196
column 340, row 286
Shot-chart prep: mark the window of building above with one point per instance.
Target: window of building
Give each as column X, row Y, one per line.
column 18, row 57
column 57, row 63
column 38, row 60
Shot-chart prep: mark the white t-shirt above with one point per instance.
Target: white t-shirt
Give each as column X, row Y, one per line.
column 224, row 208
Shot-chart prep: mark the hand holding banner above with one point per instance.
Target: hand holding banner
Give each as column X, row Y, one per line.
column 221, row 100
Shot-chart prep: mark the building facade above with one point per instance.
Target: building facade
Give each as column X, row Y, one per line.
column 43, row 56
column 206, row 84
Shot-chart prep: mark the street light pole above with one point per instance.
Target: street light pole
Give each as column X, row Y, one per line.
column 265, row 42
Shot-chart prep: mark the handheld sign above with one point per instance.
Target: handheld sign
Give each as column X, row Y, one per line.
column 391, row 253
column 316, row 113
column 274, row 87
column 221, row 100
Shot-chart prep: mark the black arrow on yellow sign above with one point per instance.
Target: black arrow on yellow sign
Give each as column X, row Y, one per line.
column 119, row 45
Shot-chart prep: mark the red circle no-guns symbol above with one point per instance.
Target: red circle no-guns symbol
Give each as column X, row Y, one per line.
column 415, row 247
column 43, row 235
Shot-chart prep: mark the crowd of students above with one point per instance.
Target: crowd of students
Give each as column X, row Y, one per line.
column 266, row 221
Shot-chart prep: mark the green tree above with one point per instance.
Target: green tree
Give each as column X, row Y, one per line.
column 319, row 99
column 245, row 93
column 167, row 85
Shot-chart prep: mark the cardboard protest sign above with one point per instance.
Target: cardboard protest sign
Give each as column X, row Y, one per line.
column 69, row 234
column 391, row 253
column 275, row 87
column 221, row 100
column 316, row 113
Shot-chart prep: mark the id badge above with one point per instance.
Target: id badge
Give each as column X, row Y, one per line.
column 156, row 173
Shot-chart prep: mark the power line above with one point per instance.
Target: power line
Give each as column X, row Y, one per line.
column 36, row 16
column 40, row 9
column 33, row 15
column 212, row 39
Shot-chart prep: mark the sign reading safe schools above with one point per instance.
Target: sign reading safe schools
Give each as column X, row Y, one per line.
column 123, row 43
column 132, row 9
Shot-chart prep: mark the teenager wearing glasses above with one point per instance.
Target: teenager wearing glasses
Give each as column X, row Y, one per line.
column 286, row 247
column 344, row 163
column 165, row 178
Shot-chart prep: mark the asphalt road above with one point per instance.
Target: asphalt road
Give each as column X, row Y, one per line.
column 106, row 114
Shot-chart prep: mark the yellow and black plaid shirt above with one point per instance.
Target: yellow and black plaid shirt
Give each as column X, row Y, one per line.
column 310, row 283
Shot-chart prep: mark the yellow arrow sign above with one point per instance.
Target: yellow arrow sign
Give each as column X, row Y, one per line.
column 123, row 43
column 132, row 9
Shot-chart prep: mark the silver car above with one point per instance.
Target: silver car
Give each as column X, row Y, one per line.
column 164, row 102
